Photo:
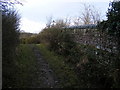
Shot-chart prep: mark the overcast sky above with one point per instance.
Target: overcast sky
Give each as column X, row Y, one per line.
column 34, row 13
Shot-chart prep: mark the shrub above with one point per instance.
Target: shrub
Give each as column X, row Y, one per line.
column 100, row 71
column 10, row 39
column 62, row 43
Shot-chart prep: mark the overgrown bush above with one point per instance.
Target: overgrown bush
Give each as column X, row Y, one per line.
column 10, row 39
column 62, row 43
column 99, row 70
column 96, row 67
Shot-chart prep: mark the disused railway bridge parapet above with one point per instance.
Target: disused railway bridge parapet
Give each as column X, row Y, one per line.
column 90, row 35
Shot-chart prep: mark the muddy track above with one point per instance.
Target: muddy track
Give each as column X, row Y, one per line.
column 45, row 77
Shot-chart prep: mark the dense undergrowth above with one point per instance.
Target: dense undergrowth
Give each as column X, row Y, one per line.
column 65, row 73
column 98, row 68
column 93, row 67
column 22, row 71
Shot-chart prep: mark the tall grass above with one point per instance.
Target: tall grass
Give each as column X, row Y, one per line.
column 25, row 62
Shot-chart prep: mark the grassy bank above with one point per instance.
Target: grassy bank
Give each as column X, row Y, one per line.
column 65, row 73
column 25, row 62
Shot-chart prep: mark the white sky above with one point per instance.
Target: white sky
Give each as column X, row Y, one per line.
column 34, row 13
column 31, row 26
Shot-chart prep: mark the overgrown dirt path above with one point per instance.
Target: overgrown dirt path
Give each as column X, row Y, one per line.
column 45, row 77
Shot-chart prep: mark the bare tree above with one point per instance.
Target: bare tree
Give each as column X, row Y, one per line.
column 9, row 3
column 49, row 21
column 60, row 23
column 95, row 15
column 86, row 15
column 68, row 21
column 77, row 21
column 89, row 15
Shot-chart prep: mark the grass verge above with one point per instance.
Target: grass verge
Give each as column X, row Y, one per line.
column 64, row 72
column 25, row 62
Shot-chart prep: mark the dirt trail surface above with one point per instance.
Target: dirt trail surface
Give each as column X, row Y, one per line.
column 45, row 77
